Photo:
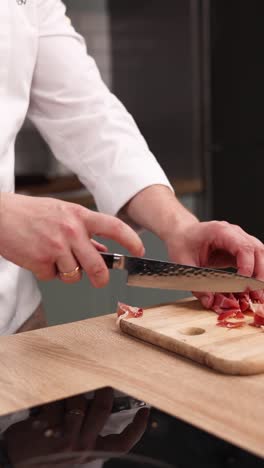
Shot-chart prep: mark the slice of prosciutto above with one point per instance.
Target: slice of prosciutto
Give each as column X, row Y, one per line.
column 127, row 311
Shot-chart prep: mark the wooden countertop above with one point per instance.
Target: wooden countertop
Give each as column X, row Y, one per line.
column 39, row 366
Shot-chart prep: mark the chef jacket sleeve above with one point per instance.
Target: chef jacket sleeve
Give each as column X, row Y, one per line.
column 85, row 125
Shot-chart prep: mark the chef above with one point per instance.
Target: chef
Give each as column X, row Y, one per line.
column 46, row 75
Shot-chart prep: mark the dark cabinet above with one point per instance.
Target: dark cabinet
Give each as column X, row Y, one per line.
column 237, row 77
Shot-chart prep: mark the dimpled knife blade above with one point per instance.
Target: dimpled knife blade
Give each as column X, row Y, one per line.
column 147, row 273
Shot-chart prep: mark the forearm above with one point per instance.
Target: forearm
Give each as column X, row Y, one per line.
column 157, row 209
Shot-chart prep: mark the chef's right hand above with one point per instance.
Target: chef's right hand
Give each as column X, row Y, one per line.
column 48, row 236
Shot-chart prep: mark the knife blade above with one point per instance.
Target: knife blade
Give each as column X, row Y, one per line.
column 148, row 273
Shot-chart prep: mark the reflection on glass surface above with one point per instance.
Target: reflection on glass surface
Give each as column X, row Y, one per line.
column 95, row 429
column 108, row 429
column 94, row 459
column 104, row 421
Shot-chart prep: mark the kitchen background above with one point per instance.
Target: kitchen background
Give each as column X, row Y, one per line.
column 189, row 72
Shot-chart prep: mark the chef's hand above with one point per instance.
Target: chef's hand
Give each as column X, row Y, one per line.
column 48, row 236
column 217, row 245
column 189, row 241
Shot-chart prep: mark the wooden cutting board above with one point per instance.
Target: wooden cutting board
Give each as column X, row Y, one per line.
column 185, row 328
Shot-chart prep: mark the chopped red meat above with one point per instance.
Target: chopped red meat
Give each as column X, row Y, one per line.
column 230, row 314
column 223, row 302
column 259, row 310
column 257, row 296
column 235, row 306
column 245, row 301
column 228, row 324
column 127, row 311
column 259, row 315
column 237, row 301
column 227, row 306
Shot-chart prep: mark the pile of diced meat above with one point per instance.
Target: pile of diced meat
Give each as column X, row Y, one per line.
column 234, row 310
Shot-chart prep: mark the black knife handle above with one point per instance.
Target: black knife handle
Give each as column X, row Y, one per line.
column 109, row 259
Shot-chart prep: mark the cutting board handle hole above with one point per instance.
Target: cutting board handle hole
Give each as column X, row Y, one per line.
column 192, row 331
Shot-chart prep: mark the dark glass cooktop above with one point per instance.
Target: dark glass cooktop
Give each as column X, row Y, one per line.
column 108, row 429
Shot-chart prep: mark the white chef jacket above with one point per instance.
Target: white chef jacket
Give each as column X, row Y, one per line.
column 46, row 74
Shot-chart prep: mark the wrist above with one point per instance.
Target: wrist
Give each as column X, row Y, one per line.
column 175, row 222
column 157, row 209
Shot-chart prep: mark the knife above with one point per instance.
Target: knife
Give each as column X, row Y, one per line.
column 147, row 273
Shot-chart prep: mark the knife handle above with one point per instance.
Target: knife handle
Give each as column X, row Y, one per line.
column 113, row 260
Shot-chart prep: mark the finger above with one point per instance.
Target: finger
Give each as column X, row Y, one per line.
column 245, row 261
column 129, row 437
column 91, row 261
column 258, row 247
column 96, row 417
column 220, row 259
column 67, row 268
column 258, row 273
column 259, row 264
column 46, row 272
column 53, row 414
column 205, row 298
column 112, row 228
column 233, row 242
column 75, row 410
column 100, row 247
column 253, row 240
column 184, row 258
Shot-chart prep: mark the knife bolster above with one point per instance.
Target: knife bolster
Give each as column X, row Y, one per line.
column 118, row 262
column 114, row 261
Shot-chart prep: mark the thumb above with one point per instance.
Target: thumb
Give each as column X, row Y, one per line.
column 205, row 298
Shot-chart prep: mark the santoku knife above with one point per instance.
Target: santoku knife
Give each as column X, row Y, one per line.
column 149, row 273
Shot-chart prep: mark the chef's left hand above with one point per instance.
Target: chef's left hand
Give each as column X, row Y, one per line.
column 217, row 244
